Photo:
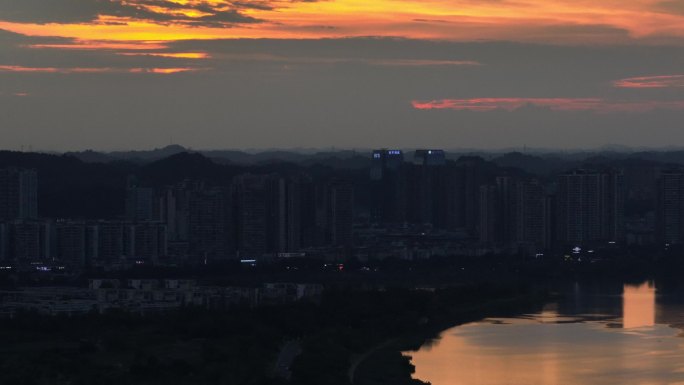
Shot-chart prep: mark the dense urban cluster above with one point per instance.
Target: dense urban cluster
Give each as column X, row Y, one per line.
column 502, row 210
column 510, row 211
column 414, row 208
column 256, row 216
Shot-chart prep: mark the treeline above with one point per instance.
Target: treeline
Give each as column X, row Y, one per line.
column 239, row 346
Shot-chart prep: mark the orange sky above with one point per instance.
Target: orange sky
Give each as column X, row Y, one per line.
column 74, row 72
column 564, row 21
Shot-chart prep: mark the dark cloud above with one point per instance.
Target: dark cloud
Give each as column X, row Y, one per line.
column 59, row 11
column 431, row 21
column 260, row 5
column 83, row 11
column 672, row 6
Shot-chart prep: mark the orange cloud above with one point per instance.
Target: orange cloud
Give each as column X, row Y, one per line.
column 662, row 81
column 554, row 21
column 164, row 71
column 554, row 104
column 102, row 45
column 71, row 70
column 174, row 55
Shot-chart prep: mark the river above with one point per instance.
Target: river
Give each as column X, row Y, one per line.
column 596, row 334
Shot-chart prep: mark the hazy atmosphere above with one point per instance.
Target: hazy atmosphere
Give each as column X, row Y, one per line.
column 284, row 74
column 341, row 192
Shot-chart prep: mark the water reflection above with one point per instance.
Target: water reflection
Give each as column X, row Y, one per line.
column 582, row 340
column 638, row 305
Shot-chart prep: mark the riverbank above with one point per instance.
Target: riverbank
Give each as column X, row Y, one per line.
column 364, row 345
column 386, row 364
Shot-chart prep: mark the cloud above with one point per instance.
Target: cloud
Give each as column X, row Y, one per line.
column 94, row 70
column 422, row 62
column 553, row 104
column 174, row 55
column 220, row 14
column 324, row 60
column 548, row 21
column 99, row 45
column 660, row 81
column 57, row 11
column 24, row 54
column 674, row 6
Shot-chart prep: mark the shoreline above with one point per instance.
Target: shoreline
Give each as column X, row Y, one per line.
column 384, row 363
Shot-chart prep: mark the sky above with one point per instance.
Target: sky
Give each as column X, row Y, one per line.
column 216, row 74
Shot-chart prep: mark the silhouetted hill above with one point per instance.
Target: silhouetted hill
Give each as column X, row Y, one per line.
column 241, row 157
column 133, row 156
column 533, row 164
column 185, row 165
column 354, row 162
column 91, row 156
column 336, row 159
column 68, row 187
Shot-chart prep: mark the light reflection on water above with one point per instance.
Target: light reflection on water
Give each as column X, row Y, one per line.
column 592, row 338
column 638, row 305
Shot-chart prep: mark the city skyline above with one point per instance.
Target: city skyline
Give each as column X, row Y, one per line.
column 341, row 192
column 208, row 212
column 271, row 74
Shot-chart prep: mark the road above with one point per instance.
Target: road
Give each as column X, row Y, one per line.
column 288, row 352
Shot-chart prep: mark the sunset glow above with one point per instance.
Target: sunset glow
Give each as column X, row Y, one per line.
column 554, row 104
column 525, row 20
column 664, row 81
column 178, row 55
column 71, row 70
column 325, row 68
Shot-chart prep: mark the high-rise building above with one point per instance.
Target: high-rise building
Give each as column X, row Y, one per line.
column 388, row 197
column 210, row 228
column 429, row 157
column 148, row 241
column 383, row 161
column 18, row 194
column 4, row 242
column 111, row 239
column 174, row 210
column 72, row 244
column 251, row 213
column 140, row 202
column 286, row 212
column 590, row 207
column 670, row 207
column 471, row 174
column 489, row 226
column 340, row 213
column 311, row 232
column 529, row 219
column 428, row 189
column 31, row 241
column 513, row 215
